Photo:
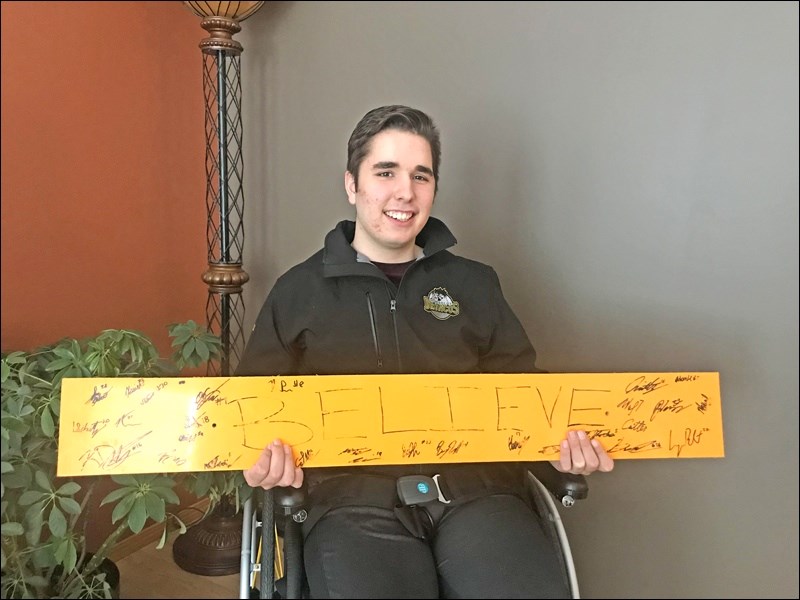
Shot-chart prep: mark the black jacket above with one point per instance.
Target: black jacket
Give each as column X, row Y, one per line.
column 333, row 314
column 337, row 314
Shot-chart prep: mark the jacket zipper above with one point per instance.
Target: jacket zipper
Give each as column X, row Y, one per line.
column 371, row 310
column 393, row 310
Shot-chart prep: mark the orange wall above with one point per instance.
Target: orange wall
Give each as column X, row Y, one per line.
column 103, row 176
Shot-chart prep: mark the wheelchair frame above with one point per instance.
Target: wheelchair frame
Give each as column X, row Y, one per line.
column 546, row 485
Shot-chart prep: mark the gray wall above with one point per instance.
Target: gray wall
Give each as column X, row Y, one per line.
column 630, row 169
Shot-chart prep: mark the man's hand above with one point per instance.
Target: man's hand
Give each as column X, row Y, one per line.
column 582, row 456
column 274, row 468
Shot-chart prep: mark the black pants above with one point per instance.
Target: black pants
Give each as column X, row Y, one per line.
column 490, row 546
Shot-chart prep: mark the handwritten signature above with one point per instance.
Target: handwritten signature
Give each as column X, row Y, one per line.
column 623, row 446
column 640, row 384
column 131, row 389
column 360, row 454
column 94, row 428
column 517, row 441
column 675, row 405
column 703, row 405
column 452, row 447
column 178, row 461
column 98, row 395
column 209, row 396
column 690, row 438
column 108, row 456
column 219, row 463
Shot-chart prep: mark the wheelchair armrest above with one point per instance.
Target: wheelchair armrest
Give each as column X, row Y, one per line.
column 565, row 486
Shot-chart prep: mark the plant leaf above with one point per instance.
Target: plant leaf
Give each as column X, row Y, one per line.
column 12, row 528
column 43, row 480
column 30, row 497
column 181, row 525
column 137, row 517
column 57, row 522
column 123, row 508
column 69, row 489
column 162, row 481
column 128, row 480
column 47, row 423
column 115, row 495
column 167, row 494
column 155, row 507
column 34, row 517
column 188, row 349
column 69, row 505
column 72, row 556
column 202, row 351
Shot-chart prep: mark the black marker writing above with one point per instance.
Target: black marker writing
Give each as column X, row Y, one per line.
column 94, row 428
column 451, row 447
column 108, row 456
column 97, row 395
column 641, row 385
column 673, row 406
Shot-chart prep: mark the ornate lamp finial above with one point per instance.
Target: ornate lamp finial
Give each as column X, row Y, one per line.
column 221, row 20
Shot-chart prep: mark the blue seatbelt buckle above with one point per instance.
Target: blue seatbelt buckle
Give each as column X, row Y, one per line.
column 419, row 489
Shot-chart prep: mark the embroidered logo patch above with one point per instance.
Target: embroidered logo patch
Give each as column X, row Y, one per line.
column 439, row 303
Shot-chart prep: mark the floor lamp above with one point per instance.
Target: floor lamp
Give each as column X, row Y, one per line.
column 213, row 546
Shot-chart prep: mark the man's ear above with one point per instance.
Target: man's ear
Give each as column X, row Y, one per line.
column 350, row 187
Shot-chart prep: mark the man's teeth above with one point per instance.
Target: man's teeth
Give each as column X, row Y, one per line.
column 400, row 216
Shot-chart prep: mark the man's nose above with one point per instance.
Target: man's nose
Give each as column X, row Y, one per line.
column 405, row 188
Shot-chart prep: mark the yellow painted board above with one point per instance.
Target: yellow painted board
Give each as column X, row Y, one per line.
column 153, row 425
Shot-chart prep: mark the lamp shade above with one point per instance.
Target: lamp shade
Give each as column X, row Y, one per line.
column 238, row 11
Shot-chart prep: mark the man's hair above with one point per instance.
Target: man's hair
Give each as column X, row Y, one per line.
column 398, row 117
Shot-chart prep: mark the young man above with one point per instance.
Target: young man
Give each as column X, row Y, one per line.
column 385, row 295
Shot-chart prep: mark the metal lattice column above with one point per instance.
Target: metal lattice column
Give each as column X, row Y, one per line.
column 224, row 189
column 224, row 204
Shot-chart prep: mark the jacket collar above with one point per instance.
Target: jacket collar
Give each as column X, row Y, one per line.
column 340, row 258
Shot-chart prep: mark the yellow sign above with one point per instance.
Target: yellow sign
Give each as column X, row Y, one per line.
column 151, row 425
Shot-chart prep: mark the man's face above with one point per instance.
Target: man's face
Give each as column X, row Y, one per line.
column 394, row 197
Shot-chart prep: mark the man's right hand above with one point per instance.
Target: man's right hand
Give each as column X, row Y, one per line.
column 275, row 468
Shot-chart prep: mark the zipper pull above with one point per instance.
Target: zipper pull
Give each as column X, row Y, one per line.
column 392, row 305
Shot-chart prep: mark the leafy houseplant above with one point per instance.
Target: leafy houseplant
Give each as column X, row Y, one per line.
column 44, row 518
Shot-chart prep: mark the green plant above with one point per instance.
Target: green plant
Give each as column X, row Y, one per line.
column 44, row 518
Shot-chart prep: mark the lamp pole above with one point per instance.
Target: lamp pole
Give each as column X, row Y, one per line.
column 222, row 89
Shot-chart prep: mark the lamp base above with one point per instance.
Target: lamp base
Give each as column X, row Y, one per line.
column 212, row 546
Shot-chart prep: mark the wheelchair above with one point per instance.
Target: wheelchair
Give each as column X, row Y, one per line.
column 275, row 570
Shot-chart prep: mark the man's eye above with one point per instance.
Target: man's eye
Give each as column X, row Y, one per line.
column 421, row 177
column 384, row 174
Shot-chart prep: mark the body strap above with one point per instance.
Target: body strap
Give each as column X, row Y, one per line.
column 381, row 492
